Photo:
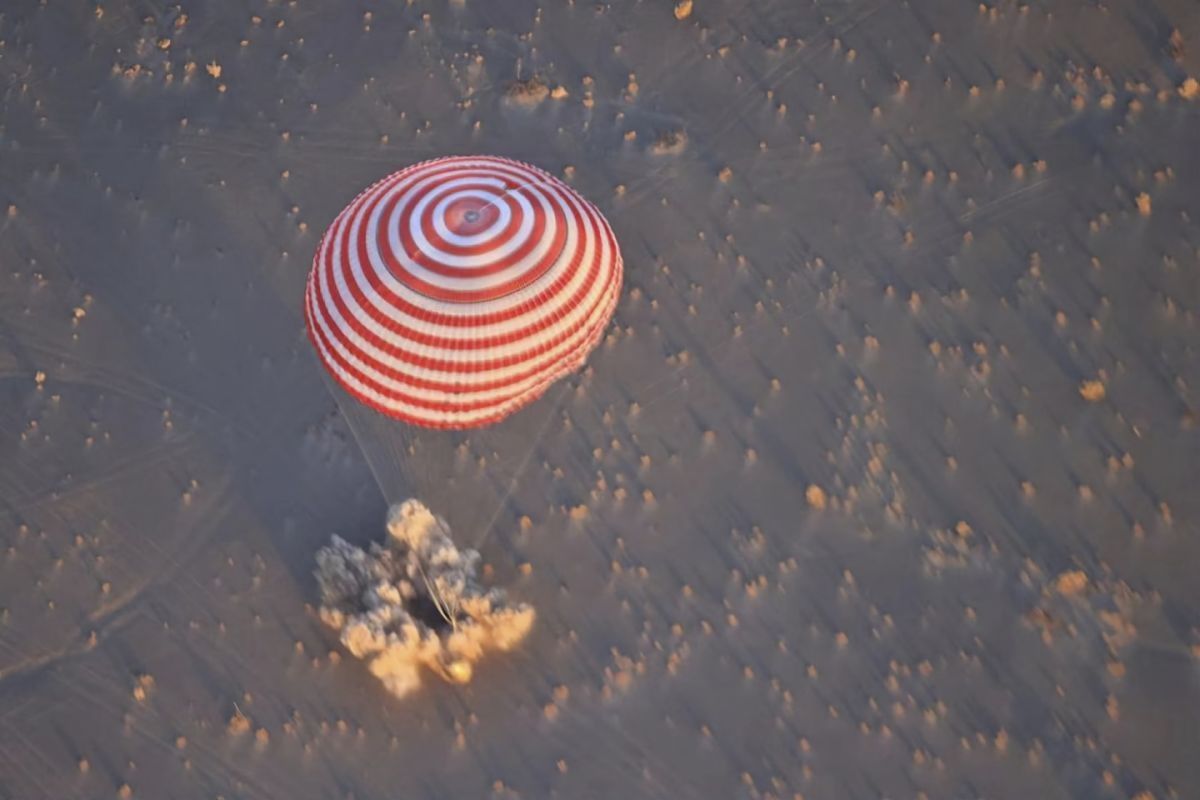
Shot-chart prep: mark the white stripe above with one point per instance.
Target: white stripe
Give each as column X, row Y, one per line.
column 472, row 170
column 384, row 273
column 539, row 338
column 420, row 212
column 495, row 229
column 447, row 417
column 424, row 246
column 517, row 301
column 567, row 354
column 594, row 309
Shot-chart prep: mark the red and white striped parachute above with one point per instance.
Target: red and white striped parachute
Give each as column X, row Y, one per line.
column 454, row 292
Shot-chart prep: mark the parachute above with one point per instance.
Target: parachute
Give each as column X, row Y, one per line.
column 447, row 297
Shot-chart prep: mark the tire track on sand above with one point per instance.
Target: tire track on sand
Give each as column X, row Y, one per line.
column 114, row 615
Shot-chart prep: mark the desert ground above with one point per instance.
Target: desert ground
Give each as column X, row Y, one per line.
column 876, row 488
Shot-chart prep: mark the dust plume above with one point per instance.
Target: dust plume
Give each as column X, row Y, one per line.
column 415, row 601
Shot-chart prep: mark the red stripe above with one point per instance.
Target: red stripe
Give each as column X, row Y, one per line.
column 424, row 338
column 557, row 365
column 430, row 262
column 455, row 212
column 565, row 353
column 462, row 323
column 454, row 199
column 455, row 367
column 490, row 247
column 507, row 171
column 503, row 407
column 609, row 290
column 411, row 198
column 500, row 413
column 425, row 315
column 435, row 193
column 565, row 361
column 443, row 175
column 521, row 179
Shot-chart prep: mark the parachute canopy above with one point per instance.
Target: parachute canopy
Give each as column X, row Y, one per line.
column 454, row 292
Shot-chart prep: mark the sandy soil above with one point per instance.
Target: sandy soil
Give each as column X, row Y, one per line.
column 878, row 488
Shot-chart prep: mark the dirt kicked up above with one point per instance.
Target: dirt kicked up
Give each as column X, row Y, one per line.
column 414, row 601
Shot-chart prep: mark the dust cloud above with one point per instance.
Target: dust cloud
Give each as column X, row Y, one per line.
column 414, row 601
